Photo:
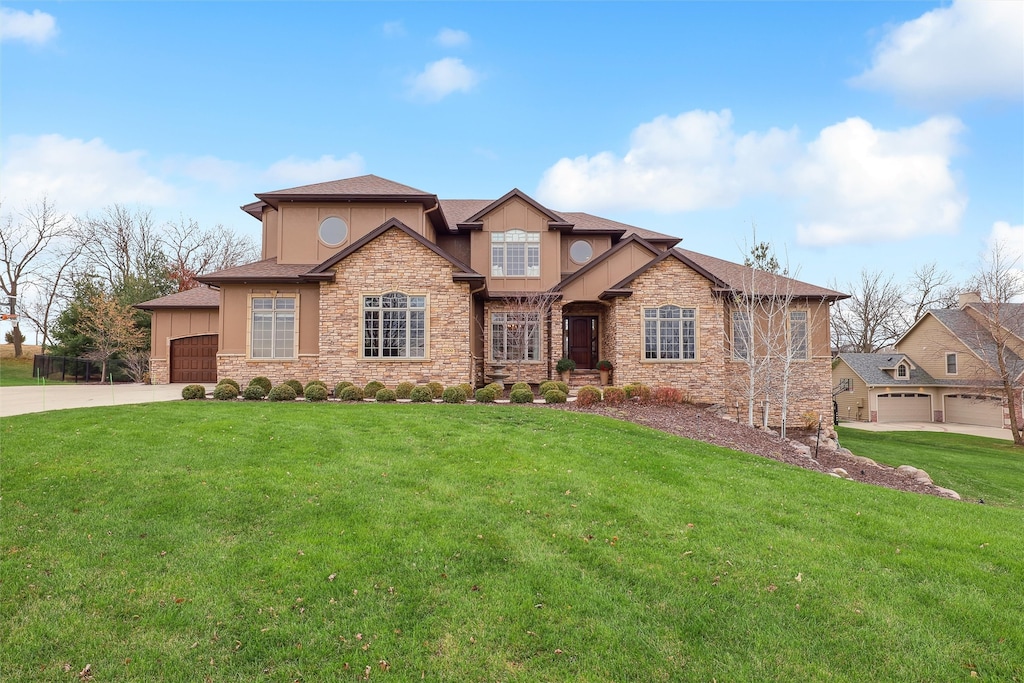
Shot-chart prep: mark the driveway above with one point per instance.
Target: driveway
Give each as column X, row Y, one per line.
column 36, row 399
column 949, row 427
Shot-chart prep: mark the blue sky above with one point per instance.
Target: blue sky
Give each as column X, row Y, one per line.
column 862, row 134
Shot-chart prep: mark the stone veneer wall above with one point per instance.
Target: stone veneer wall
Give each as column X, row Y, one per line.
column 670, row 282
column 159, row 371
column 242, row 370
column 395, row 262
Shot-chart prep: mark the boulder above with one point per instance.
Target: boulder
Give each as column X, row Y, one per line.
column 840, row 472
column 948, row 493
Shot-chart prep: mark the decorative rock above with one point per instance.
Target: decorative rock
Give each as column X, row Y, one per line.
column 833, row 474
column 907, row 469
column 948, row 493
column 922, row 477
column 802, row 449
column 861, row 460
column 840, row 472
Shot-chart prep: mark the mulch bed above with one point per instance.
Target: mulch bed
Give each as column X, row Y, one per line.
column 700, row 424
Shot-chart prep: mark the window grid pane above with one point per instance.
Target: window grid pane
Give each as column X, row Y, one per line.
column 394, row 326
column 798, row 334
column 741, row 336
column 670, row 333
column 515, row 336
column 272, row 333
column 515, row 253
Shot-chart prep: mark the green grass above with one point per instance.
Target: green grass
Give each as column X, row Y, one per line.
column 975, row 467
column 183, row 541
column 16, row 372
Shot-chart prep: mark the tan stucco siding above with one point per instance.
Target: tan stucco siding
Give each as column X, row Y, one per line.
column 927, row 345
column 588, row 286
column 853, row 404
column 512, row 215
column 234, row 324
column 300, row 224
column 271, row 232
column 599, row 243
column 396, row 262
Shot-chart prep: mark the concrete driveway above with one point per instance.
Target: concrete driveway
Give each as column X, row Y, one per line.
column 38, row 398
column 949, row 427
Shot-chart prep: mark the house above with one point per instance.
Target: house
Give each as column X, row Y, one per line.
column 367, row 279
column 944, row 369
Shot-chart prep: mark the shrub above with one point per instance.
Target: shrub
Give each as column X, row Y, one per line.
column 641, row 393
column 563, row 387
column 521, row 386
column 372, row 388
column 521, row 396
column 545, row 387
column 385, row 396
column 667, row 395
column 421, row 395
column 605, row 365
column 315, row 392
column 296, row 386
column 565, row 365
column 404, row 389
column 436, row 389
column 588, row 395
column 810, row 419
column 486, row 394
column 315, row 382
column 350, row 393
column 497, row 387
column 193, row 392
column 282, row 392
column 225, row 392
column 254, row 392
column 453, row 395
column 467, row 389
column 555, row 396
column 614, row 396
column 263, row 383
column 228, row 380
column 341, row 386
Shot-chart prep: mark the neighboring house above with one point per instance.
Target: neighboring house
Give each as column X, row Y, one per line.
column 366, row 279
column 944, row 369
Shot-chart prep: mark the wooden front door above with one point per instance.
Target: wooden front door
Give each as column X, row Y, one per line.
column 581, row 340
column 194, row 359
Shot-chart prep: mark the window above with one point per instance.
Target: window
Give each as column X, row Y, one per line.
column 333, row 231
column 394, row 326
column 515, row 336
column 580, row 251
column 901, row 371
column 950, row 363
column 515, row 253
column 741, row 335
column 273, row 327
column 798, row 335
column 670, row 333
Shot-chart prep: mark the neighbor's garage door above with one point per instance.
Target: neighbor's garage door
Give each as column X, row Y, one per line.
column 194, row 359
column 904, row 408
column 974, row 410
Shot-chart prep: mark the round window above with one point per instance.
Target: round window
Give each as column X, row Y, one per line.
column 333, row 231
column 580, row 251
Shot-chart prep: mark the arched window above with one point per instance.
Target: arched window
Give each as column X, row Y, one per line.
column 515, row 253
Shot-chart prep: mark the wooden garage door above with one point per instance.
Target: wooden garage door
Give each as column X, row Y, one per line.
column 194, row 359
column 974, row 410
column 904, row 408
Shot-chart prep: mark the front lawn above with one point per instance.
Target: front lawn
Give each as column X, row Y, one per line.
column 977, row 468
column 240, row 541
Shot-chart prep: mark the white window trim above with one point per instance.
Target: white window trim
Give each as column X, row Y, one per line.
column 956, row 363
column 248, row 325
column 807, row 334
column 696, row 335
column 904, row 367
column 394, row 359
column 504, row 252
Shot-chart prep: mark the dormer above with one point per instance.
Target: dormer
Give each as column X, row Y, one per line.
column 898, row 367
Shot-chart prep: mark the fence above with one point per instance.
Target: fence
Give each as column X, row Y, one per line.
column 70, row 369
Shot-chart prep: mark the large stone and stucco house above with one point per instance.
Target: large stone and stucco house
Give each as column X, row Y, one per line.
column 367, row 279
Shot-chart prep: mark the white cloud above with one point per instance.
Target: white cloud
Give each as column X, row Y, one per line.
column 860, row 184
column 853, row 183
column 38, row 27
column 451, row 37
column 971, row 49
column 1011, row 238
column 292, row 172
column 79, row 175
column 393, row 29
column 689, row 162
column 441, row 78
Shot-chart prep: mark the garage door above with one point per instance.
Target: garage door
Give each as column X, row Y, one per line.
column 194, row 359
column 974, row 410
column 904, row 408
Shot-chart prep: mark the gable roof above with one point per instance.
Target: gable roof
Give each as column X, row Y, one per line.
column 197, row 297
column 364, row 186
column 871, row 367
column 555, row 222
column 462, row 271
column 268, row 270
column 620, row 288
column 740, row 278
column 594, row 263
column 971, row 333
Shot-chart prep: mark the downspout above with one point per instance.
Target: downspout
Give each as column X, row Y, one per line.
column 423, row 227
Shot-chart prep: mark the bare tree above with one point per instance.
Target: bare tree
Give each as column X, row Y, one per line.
column 1000, row 282
column 111, row 327
column 516, row 329
column 121, row 245
column 23, row 250
column 928, row 288
column 870, row 319
column 192, row 251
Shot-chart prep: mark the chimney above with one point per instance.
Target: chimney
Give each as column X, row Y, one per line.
column 969, row 298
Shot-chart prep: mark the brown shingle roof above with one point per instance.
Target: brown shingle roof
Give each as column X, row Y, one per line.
column 362, row 186
column 267, row 270
column 586, row 222
column 741, row 277
column 198, row 297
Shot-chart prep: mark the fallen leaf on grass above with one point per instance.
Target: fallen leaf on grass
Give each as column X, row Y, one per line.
column 86, row 673
column 772, row 588
column 384, row 665
column 332, row 577
column 799, row 577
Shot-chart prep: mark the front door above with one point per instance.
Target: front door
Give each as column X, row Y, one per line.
column 581, row 337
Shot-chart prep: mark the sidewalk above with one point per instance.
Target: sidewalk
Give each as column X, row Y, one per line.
column 948, row 427
column 36, row 399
